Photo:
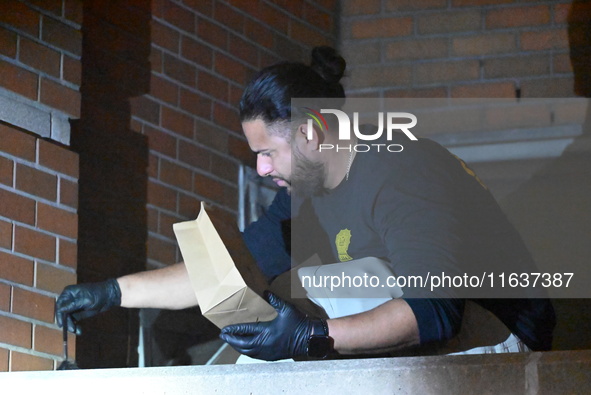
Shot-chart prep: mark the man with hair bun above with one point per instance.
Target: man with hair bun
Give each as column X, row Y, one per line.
column 407, row 211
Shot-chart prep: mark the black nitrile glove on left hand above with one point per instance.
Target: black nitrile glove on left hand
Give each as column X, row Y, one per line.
column 284, row 337
column 81, row 301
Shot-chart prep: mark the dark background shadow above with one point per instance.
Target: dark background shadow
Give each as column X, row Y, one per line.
column 552, row 210
column 113, row 169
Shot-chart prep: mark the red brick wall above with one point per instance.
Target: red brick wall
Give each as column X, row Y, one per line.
column 38, row 232
column 203, row 52
column 40, row 49
column 458, row 48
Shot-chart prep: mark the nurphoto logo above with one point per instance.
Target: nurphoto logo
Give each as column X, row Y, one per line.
column 392, row 121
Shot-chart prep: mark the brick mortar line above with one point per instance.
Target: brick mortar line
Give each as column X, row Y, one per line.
column 42, row 231
column 540, row 78
column 517, row 29
column 322, row 8
column 193, row 169
column 267, row 2
column 29, row 320
column 36, row 165
column 151, row 206
column 196, row 196
column 194, row 36
column 209, row 122
column 159, row 210
column 382, row 91
column 42, row 74
column 451, row 84
column 35, row 273
column 479, row 78
column 17, row 55
column 59, row 196
column 499, row 79
column 211, row 46
column 294, row 17
column 199, row 68
column 171, row 106
column 415, row 62
column 482, row 19
column 33, row 337
column 208, row 44
column 36, row 198
column 217, row 205
column 161, row 237
column 252, row 69
column 168, row 213
column 379, row 91
column 38, row 40
column 37, row 260
column 451, row 35
column 490, row 79
column 186, row 112
column 449, row 8
column 246, row 15
column 55, row 266
column 188, row 140
column 30, row 351
column 241, row 34
column 272, row 53
column 183, row 218
column 47, row 13
column 193, row 195
column 14, row 162
column 11, row 293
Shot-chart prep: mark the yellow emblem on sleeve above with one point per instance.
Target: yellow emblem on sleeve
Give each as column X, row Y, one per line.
column 342, row 242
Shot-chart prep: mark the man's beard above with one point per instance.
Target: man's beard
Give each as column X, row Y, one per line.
column 307, row 177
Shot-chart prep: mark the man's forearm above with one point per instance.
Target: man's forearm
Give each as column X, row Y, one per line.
column 166, row 288
column 388, row 327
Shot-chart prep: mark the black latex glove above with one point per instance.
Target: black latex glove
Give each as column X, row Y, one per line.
column 86, row 300
column 284, row 337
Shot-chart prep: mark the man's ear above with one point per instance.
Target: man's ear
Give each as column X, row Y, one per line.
column 312, row 137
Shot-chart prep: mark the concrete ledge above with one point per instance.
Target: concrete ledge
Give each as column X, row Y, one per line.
column 34, row 117
column 527, row 373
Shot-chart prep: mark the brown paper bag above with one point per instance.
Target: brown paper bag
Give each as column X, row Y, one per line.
column 222, row 293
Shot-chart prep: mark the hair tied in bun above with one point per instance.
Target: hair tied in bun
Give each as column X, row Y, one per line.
column 328, row 63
